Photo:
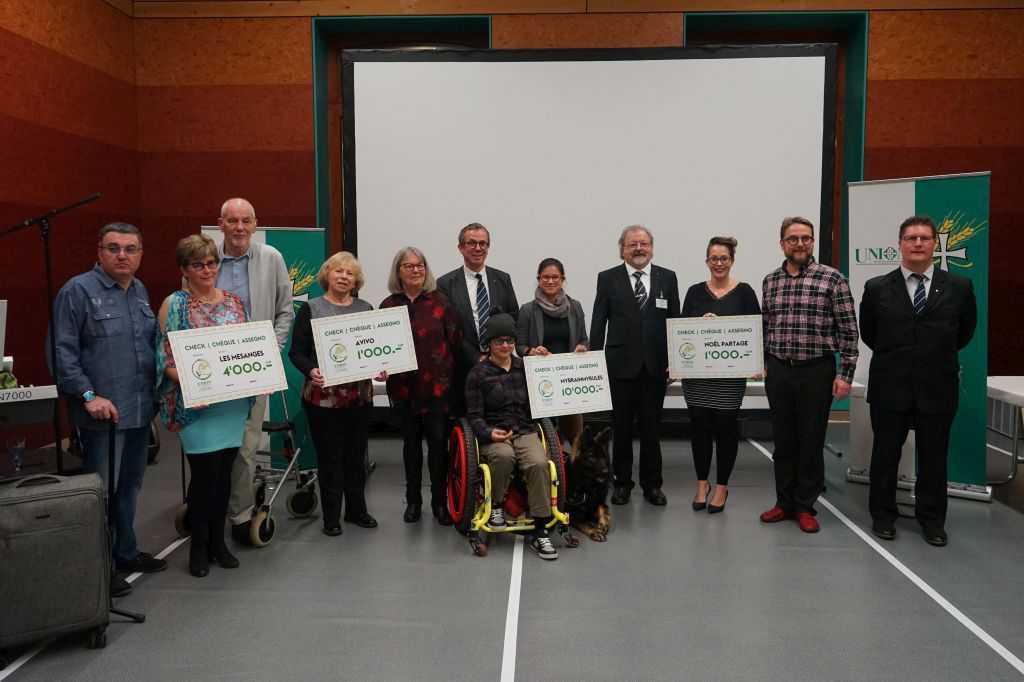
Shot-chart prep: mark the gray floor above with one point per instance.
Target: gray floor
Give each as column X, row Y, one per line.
column 673, row 594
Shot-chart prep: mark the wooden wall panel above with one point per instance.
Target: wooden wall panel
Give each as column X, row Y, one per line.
column 946, row 95
column 583, row 30
column 225, row 118
column 88, row 31
column 224, row 52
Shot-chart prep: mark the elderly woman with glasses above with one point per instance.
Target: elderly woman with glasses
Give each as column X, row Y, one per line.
column 210, row 435
column 553, row 323
column 499, row 412
column 339, row 416
column 714, row 404
column 423, row 400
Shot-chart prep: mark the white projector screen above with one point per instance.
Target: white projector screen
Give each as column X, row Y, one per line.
column 557, row 151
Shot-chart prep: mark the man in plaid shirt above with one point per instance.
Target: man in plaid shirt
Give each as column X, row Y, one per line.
column 808, row 318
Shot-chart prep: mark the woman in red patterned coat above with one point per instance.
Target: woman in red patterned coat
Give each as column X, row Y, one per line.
column 422, row 401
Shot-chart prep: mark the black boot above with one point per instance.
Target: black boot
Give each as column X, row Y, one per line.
column 218, row 552
column 198, row 556
column 441, row 512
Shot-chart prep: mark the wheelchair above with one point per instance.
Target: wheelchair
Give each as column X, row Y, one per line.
column 470, row 489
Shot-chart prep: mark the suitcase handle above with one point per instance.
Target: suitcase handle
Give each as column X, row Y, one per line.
column 39, row 479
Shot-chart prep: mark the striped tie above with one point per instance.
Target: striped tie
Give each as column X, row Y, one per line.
column 640, row 291
column 483, row 309
column 919, row 293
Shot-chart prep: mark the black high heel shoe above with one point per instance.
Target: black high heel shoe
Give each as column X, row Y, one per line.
column 715, row 509
column 697, row 506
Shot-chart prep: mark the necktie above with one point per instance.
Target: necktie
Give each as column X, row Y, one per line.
column 919, row 293
column 483, row 309
column 640, row 291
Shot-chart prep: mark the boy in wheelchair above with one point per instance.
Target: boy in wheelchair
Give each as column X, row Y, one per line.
column 498, row 409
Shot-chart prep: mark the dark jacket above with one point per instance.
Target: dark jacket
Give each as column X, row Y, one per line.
column 914, row 359
column 500, row 293
column 631, row 339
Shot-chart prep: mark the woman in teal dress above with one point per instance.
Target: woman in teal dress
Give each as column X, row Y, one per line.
column 210, row 435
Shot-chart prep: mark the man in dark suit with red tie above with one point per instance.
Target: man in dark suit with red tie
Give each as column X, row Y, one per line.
column 915, row 320
column 633, row 302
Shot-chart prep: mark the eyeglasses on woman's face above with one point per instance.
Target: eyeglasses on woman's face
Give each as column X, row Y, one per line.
column 208, row 265
column 718, row 260
column 414, row 267
column 503, row 341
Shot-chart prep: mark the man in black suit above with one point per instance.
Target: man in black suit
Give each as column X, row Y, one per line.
column 474, row 289
column 632, row 303
column 915, row 320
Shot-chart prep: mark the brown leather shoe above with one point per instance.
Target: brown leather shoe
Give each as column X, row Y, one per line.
column 775, row 514
column 807, row 522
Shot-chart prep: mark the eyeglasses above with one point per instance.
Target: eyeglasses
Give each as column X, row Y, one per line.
column 114, row 249
column 208, row 265
column 476, row 245
column 412, row 267
column 718, row 259
column 639, row 245
column 802, row 239
column 925, row 238
column 503, row 341
column 550, row 278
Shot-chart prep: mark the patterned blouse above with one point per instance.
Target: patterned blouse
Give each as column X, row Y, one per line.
column 436, row 335
column 303, row 356
column 185, row 311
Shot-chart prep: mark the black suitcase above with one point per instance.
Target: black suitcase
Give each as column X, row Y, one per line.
column 54, row 559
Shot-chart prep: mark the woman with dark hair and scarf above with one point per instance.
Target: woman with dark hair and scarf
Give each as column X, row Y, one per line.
column 553, row 323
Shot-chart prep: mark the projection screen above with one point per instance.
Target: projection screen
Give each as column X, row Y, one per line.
column 555, row 151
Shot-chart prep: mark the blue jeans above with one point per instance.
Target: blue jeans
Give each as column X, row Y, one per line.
column 130, row 453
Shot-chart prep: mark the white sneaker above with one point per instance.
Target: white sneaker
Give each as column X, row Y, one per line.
column 545, row 550
column 497, row 518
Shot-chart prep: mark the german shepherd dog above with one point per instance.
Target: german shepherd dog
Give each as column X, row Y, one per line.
column 589, row 476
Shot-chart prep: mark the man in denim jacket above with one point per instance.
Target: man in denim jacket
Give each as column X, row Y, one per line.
column 105, row 336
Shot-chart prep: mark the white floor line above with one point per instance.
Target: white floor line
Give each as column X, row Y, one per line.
column 973, row 627
column 508, row 655
column 993, row 447
column 28, row 655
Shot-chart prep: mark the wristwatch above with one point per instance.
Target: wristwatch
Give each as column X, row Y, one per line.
column 88, row 396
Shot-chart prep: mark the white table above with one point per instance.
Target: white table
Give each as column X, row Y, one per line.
column 1009, row 390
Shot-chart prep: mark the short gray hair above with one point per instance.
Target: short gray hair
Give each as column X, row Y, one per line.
column 120, row 228
column 395, row 284
column 633, row 228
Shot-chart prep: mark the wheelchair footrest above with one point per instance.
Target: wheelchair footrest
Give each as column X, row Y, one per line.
column 278, row 427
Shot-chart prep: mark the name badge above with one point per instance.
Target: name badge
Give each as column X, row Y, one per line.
column 661, row 303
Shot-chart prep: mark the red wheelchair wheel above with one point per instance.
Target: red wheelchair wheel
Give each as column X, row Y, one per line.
column 464, row 494
column 554, row 452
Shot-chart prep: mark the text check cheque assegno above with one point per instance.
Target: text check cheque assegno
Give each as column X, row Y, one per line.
column 223, row 363
column 362, row 345
column 711, row 347
column 567, row 383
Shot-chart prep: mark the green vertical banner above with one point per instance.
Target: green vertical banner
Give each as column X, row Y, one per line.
column 959, row 204
column 303, row 250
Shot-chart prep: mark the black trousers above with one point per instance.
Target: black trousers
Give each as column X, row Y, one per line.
column 931, row 434
column 340, row 436
column 208, row 492
column 434, row 428
column 800, row 399
column 717, row 428
column 644, row 398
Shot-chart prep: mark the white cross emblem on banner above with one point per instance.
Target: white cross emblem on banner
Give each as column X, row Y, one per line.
column 943, row 255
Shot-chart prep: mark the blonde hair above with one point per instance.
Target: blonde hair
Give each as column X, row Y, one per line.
column 395, row 283
column 342, row 258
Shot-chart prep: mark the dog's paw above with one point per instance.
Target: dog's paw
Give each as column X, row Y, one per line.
column 599, row 535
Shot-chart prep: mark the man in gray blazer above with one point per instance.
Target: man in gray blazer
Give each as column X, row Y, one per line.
column 474, row 289
column 257, row 274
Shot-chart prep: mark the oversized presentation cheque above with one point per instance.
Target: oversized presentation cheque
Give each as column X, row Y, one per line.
column 362, row 345
column 567, row 383
column 223, row 363
column 713, row 347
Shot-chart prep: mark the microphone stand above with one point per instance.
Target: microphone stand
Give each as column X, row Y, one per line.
column 44, row 232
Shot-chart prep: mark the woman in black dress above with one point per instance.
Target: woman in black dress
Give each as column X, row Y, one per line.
column 714, row 404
